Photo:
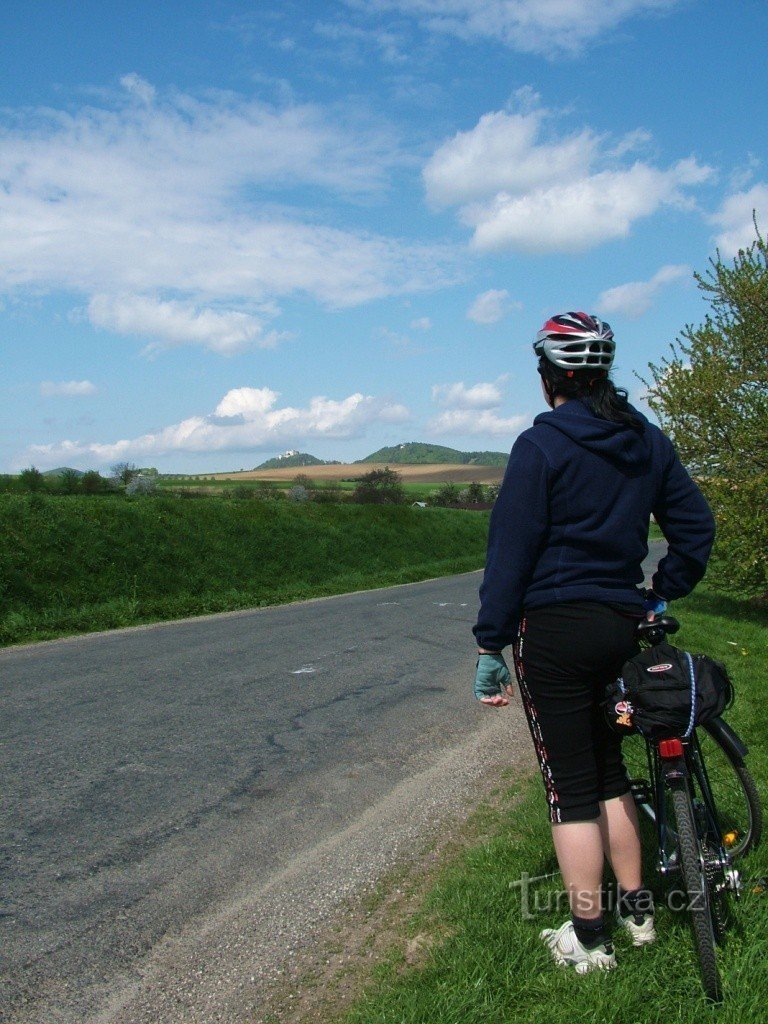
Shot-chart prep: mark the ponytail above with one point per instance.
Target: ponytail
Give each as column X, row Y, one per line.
column 594, row 388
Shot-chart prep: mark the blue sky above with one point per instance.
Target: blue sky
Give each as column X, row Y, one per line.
column 229, row 229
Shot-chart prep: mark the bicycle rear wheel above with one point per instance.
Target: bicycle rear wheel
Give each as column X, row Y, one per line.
column 734, row 792
column 697, row 889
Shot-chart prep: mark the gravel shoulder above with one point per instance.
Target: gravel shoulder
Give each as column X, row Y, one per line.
column 271, row 955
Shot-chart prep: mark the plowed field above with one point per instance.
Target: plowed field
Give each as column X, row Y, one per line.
column 427, row 474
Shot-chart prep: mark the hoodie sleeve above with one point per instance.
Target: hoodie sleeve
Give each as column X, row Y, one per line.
column 518, row 530
column 688, row 525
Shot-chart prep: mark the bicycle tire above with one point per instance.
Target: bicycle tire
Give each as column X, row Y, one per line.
column 733, row 789
column 735, row 794
column 697, row 889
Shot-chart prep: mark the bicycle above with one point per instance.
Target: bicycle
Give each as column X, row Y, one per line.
column 707, row 815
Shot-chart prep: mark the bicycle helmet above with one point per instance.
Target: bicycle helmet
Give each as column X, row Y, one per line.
column 576, row 341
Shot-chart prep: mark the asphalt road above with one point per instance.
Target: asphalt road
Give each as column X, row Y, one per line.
column 155, row 775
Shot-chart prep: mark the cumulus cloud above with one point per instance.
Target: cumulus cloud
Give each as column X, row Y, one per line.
column 477, row 396
column 246, row 419
column 472, row 410
column 67, row 388
column 190, row 204
column 489, row 307
column 547, row 27
column 635, row 298
column 734, row 218
column 517, row 189
column 503, row 152
column 179, row 323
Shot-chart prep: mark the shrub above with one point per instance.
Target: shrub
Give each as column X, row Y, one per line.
column 380, row 487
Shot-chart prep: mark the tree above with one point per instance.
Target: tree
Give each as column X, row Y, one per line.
column 380, row 487
column 141, row 484
column 69, row 481
column 711, row 397
column 32, row 479
column 447, row 496
column 92, row 482
column 124, row 472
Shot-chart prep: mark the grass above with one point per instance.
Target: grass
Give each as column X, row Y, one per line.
column 488, row 964
column 74, row 564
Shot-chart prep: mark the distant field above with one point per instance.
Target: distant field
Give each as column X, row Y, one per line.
column 435, row 474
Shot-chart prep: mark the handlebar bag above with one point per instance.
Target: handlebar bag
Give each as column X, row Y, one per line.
column 664, row 691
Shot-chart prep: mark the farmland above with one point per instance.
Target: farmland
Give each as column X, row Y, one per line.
column 435, row 474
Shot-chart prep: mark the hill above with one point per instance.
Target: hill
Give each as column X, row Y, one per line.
column 417, row 453
column 62, row 470
column 292, row 459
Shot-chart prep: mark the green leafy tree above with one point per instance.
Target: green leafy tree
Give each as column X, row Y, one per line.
column 475, row 493
column 92, row 482
column 69, row 481
column 32, row 479
column 448, row 496
column 711, row 396
column 380, row 487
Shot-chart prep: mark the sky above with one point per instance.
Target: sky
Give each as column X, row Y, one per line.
column 231, row 229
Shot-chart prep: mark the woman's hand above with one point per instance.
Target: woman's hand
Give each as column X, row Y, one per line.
column 493, row 683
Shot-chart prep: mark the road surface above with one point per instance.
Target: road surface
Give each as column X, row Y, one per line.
column 167, row 784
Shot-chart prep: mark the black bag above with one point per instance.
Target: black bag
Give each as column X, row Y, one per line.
column 664, row 691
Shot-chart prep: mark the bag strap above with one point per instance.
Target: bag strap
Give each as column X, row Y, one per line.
column 692, row 674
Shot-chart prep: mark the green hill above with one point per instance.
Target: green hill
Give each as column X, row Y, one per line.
column 416, row 453
column 289, row 460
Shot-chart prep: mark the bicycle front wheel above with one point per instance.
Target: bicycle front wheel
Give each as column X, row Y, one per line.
column 698, row 894
column 739, row 809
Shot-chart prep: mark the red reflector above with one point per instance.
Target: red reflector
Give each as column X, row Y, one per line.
column 671, row 748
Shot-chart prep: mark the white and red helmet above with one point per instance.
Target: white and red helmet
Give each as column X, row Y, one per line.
column 576, row 341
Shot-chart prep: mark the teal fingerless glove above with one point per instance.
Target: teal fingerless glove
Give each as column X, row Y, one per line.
column 492, row 678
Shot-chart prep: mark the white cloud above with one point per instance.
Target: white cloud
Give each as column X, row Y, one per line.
column 246, row 419
column 176, row 201
column 472, row 410
column 489, row 307
column 140, row 88
column 502, row 152
column 459, row 396
column 519, row 190
column 179, row 323
column 67, row 388
column 579, row 215
column 548, row 27
column 635, row 298
column 468, row 422
column 734, row 218
column 422, row 323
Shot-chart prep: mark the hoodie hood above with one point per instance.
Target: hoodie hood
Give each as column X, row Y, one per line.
column 617, row 442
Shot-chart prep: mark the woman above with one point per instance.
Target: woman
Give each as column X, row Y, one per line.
column 568, row 534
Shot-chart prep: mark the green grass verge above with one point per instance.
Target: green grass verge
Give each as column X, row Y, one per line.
column 75, row 564
column 492, row 967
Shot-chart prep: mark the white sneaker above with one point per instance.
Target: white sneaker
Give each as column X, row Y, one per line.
column 568, row 951
column 641, row 934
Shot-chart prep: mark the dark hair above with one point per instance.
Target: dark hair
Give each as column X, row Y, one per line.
column 594, row 388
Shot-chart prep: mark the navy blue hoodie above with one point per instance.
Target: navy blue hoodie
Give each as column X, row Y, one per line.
column 571, row 520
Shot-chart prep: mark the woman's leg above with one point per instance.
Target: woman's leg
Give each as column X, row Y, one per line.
column 580, row 857
column 582, row 847
column 620, row 836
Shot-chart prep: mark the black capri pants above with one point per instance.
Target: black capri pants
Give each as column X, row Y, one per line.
column 565, row 656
